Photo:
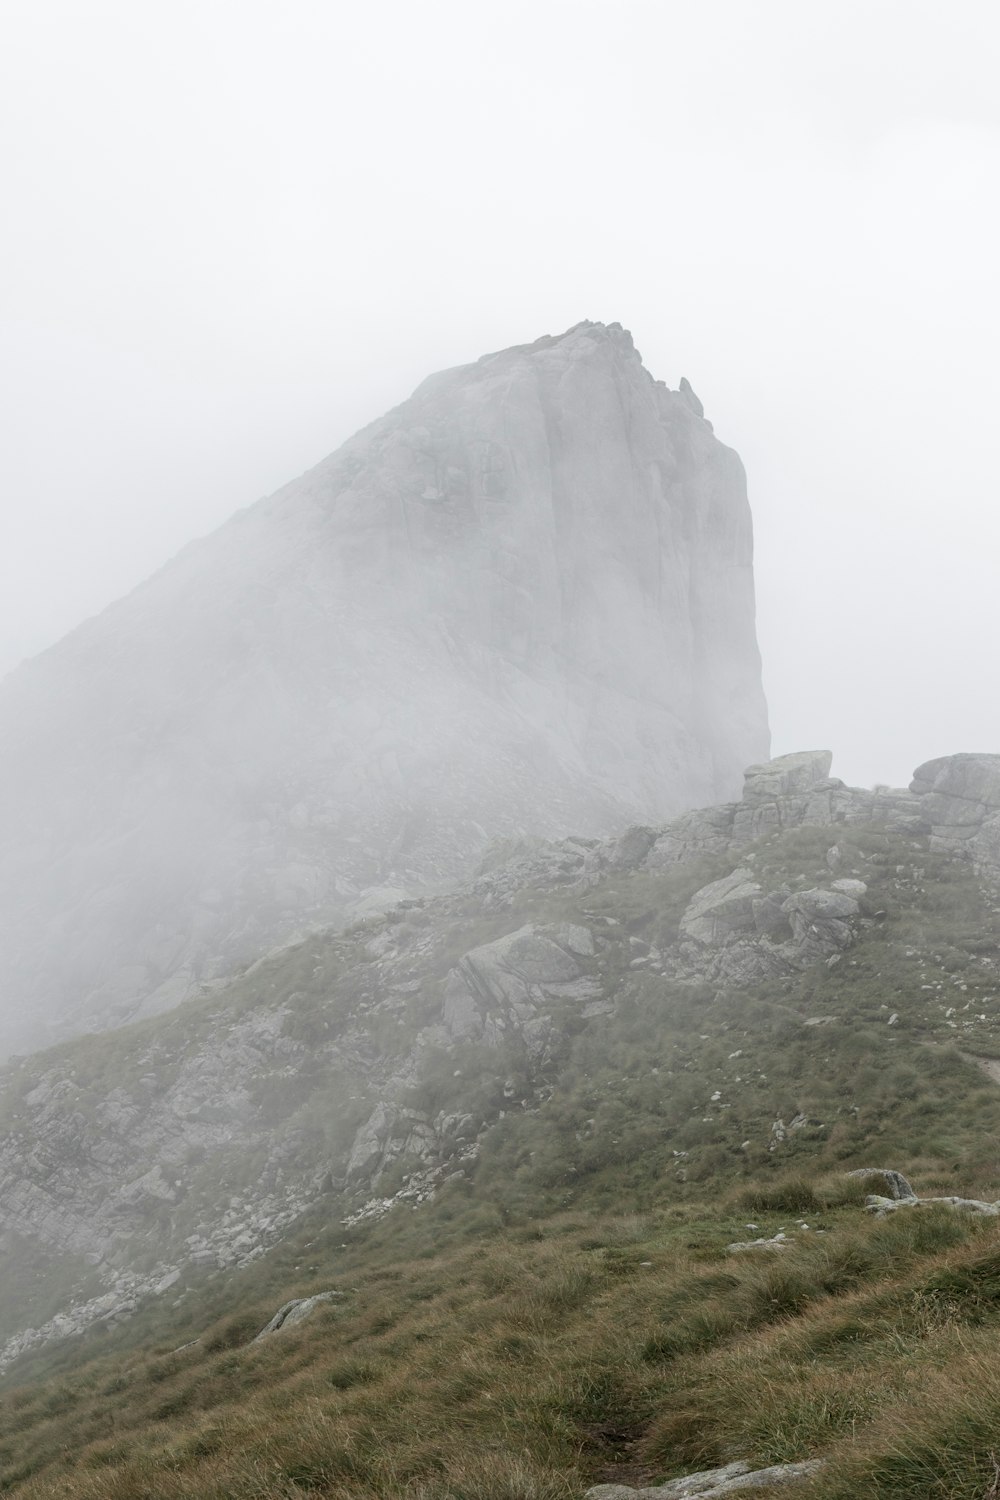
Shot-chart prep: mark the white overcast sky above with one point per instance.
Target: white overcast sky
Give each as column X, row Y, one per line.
column 237, row 230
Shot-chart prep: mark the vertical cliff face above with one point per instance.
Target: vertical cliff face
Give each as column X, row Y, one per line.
column 521, row 601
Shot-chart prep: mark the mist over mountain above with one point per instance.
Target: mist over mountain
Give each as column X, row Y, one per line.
column 521, row 602
column 616, row 1105
column 638, row 1125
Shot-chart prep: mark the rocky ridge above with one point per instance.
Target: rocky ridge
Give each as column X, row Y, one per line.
column 408, row 1039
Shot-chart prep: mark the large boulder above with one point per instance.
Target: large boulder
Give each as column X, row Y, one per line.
column 821, row 921
column 392, row 1130
column 721, row 910
column 959, row 788
column 628, row 851
column 296, row 1311
column 786, row 775
column 960, row 799
column 507, row 987
column 735, row 932
column 892, row 1183
column 711, row 1484
column 705, row 830
column 787, row 791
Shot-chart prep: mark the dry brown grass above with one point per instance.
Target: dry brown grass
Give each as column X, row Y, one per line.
column 532, row 1369
column 519, row 1342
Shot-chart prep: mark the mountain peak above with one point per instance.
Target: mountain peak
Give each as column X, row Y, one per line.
column 522, row 601
column 583, row 341
column 585, row 331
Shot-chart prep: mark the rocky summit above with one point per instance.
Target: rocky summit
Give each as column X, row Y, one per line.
column 523, row 600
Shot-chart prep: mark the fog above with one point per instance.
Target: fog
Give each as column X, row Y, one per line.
column 236, row 233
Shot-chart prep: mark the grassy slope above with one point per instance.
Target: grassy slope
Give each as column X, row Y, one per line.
column 568, row 1312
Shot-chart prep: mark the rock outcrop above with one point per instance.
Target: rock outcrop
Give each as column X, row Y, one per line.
column 960, row 799
column 292, row 1313
column 791, row 791
column 214, row 1135
column 897, row 1193
column 880, row 1206
column 508, row 986
column 722, row 910
column 711, row 1484
column 735, row 932
column 521, row 600
column 786, row 776
column 893, row 1184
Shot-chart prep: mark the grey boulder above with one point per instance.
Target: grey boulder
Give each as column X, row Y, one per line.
column 786, row 775
column 508, row 986
column 706, row 830
column 296, row 1311
column 722, row 909
column 821, row 921
column 708, row 1484
column 735, row 932
column 960, row 799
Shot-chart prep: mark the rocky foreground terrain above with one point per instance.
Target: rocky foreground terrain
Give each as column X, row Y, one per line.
column 522, row 600
column 660, row 1163
column 363, row 1069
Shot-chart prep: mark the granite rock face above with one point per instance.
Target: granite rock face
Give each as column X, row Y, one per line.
column 960, row 799
column 523, row 600
column 721, row 910
column 786, row 775
column 502, row 988
column 735, row 932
